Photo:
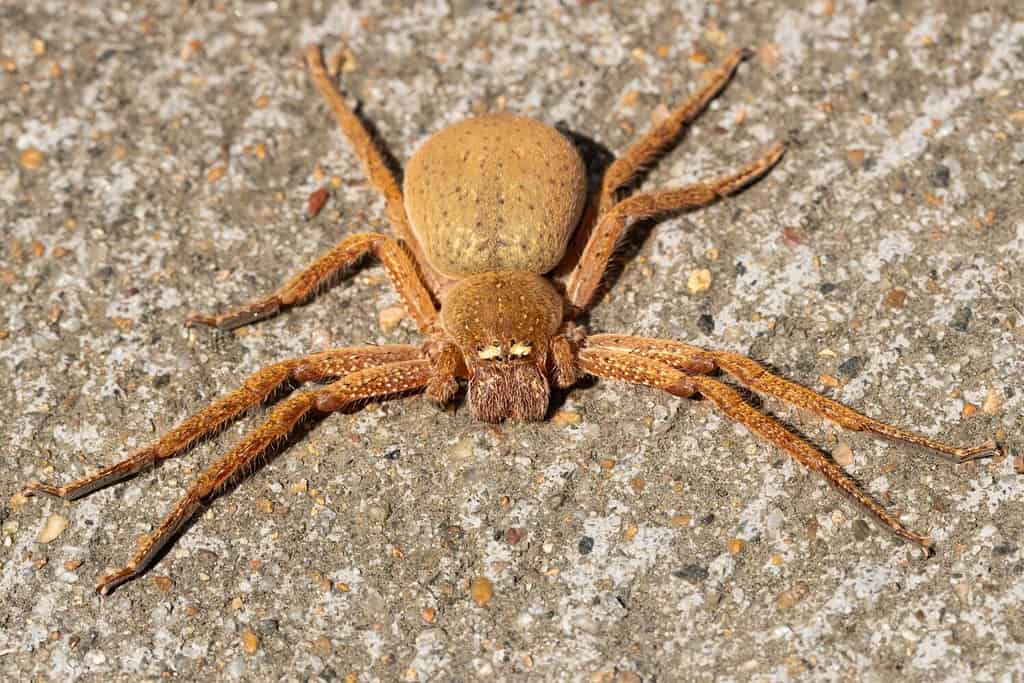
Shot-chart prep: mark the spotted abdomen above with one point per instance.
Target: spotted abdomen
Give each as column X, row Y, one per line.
column 496, row 192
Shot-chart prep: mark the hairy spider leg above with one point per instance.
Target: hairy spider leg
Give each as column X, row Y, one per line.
column 586, row 277
column 753, row 375
column 654, row 142
column 398, row 263
column 365, row 148
column 645, row 150
column 638, row 369
column 254, row 391
column 371, row 382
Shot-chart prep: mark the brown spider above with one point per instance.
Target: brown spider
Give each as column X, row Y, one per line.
column 484, row 227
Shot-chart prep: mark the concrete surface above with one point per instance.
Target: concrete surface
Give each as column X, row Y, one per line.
column 634, row 536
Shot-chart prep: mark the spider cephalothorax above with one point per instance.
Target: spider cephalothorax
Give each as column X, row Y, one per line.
column 489, row 209
column 503, row 323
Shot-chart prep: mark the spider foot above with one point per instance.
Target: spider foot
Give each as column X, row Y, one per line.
column 33, row 486
column 986, row 450
column 108, row 582
column 240, row 317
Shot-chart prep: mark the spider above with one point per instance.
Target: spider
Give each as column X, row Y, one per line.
column 497, row 251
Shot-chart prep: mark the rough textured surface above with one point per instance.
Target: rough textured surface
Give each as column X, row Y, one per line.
column 159, row 161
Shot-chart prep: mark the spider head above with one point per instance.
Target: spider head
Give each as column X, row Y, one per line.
column 503, row 323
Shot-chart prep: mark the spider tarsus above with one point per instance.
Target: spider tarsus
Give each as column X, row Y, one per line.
column 196, row 319
column 108, row 582
column 988, row 449
column 776, row 151
column 32, row 487
column 923, row 543
column 235, row 319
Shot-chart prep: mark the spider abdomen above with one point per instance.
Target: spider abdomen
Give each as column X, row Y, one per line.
column 495, row 192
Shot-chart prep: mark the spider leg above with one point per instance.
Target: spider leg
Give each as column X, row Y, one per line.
column 374, row 163
column 448, row 364
column 400, row 267
column 638, row 369
column 754, row 375
column 372, row 382
column 585, row 278
column 644, row 151
column 564, row 369
column 255, row 390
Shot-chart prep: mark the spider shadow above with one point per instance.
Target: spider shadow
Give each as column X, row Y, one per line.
column 597, row 157
column 559, row 396
column 390, row 160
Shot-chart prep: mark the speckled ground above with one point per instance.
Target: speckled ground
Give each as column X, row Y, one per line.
column 160, row 160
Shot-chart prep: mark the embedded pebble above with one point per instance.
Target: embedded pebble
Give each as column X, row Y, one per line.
column 514, row 535
column 699, row 281
column 316, row 202
column 706, row 324
column 895, row 298
column 390, row 317
column 163, row 583
column 962, row 319
column 481, row 590
column 993, row 402
column 250, row 641
column 564, row 418
column 851, row 367
column 681, row 520
column 322, row 646
column 32, row 159
column 54, row 527
column 789, row 598
column 843, row 454
column 694, row 573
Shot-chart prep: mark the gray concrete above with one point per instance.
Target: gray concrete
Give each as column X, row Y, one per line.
column 907, row 130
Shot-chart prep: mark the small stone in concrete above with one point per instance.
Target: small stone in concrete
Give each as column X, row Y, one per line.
column 54, row 527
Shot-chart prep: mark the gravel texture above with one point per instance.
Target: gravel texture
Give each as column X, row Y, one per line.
column 160, row 160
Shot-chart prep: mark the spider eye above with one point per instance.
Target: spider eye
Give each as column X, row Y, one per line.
column 520, row 349
column 489, row 352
